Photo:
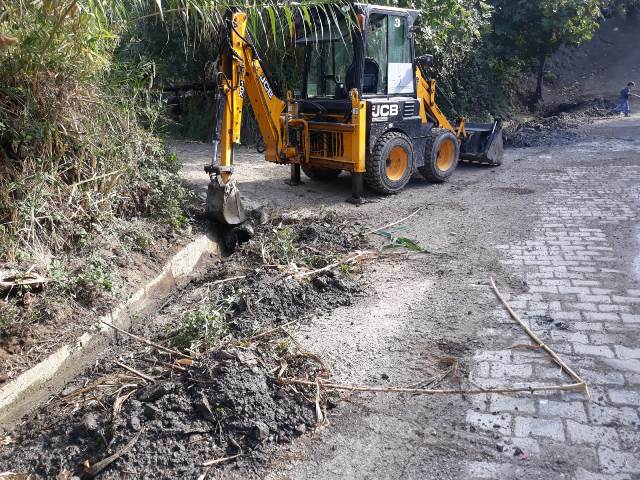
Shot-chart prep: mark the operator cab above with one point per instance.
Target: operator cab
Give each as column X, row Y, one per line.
column 374, row 55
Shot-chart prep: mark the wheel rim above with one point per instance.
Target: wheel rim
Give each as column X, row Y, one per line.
column 446, row 155
column 397, row 163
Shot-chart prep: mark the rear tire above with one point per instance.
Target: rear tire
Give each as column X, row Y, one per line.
column 320, row 173
column 390, row 165
column 441, row 155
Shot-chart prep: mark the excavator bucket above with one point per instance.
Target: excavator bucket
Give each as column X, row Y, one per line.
column 223, row 202
column 484, row 143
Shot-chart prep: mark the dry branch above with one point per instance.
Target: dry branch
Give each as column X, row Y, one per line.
column 395, row 223
column 217, row 461
column 353, row 259
column 425, row 391
column 147, row 342
column 97, row 467
column 540, row 343
column 138, row 373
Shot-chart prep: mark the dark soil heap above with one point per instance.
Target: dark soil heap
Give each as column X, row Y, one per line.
column 145, row 413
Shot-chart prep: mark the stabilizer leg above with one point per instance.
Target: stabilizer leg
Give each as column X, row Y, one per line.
column 295, row 175
column 357, row 187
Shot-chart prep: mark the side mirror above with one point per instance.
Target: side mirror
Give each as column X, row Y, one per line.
column 425, row 60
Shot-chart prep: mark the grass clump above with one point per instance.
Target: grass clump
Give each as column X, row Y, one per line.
column 202, row 327
column 77, row 142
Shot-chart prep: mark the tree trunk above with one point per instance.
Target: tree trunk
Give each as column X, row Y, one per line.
column 538, row 95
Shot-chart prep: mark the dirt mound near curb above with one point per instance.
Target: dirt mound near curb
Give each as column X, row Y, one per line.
column 154, row 414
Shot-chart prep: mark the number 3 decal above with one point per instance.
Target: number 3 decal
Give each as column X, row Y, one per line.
column 397, row 23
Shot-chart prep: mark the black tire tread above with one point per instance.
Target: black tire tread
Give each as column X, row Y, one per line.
column 373, row 164
column 426, row 171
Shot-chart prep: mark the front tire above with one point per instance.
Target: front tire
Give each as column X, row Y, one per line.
column 441, row 155
column 390, row 165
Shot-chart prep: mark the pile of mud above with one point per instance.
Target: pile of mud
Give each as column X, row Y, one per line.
column 144, row 413
column 269, row 294
column 558, row 125
column 226, row 404
column 542, row 132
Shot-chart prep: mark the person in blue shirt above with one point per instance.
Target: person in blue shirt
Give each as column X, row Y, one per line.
column 623, row 103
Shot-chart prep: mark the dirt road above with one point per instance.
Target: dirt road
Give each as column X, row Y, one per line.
column 558, row 229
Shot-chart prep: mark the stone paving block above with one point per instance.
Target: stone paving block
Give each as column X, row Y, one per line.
column 591, row 434
column 631, row 365
column 586, row 283
column 503, row 370
column 614, row 461
column 624, row 352
column 630, row 438
column 500, row 423
column 582, row 306
column 594, row 298
column 601, row 316
column 608, row 415
column 614, row 308
column 625, row 397
column 629, row 318
column 566, row 315
column 632, row 379
column 574, row 290
column 539, row 427
column 595, row 350
column 573, row 410
column 606, row 377
column 493, row 355
column 587, row 326
column 500, row 403
column 621, row 299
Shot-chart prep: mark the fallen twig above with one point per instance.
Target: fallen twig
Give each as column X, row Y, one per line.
column 97, row 467
column 384, row 227
column 138, row 373
column 352, row 259
column 542, row 345
column 217, row 461
column 225, row 280
column 425, row 391
column 148, row 342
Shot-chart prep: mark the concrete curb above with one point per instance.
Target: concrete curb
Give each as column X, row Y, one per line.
column 179, row 266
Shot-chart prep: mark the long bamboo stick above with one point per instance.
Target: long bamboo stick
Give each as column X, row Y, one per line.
column 428, row 391
column 540, row 343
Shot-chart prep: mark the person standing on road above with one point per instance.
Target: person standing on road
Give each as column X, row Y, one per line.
column 623, row 104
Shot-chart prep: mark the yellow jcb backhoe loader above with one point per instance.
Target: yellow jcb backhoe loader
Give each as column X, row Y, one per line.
column 367, row 106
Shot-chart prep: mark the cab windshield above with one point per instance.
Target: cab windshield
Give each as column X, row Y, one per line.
column 329, row 55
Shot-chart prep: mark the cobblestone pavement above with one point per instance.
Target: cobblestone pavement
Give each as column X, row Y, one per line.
column 584, row 299
column 557, row 226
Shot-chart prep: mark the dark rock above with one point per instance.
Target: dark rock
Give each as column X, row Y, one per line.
column 260, row 432
column 157, row 391
column 151, row 412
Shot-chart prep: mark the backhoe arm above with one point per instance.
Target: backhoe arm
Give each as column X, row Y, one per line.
column 240, row 75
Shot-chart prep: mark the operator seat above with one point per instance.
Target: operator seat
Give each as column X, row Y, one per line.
column 371, row 76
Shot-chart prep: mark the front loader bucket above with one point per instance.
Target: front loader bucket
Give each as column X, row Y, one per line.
column 223, row 202
column 484, row 143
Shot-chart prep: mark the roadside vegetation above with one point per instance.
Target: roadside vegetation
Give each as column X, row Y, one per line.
column 90, row 89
